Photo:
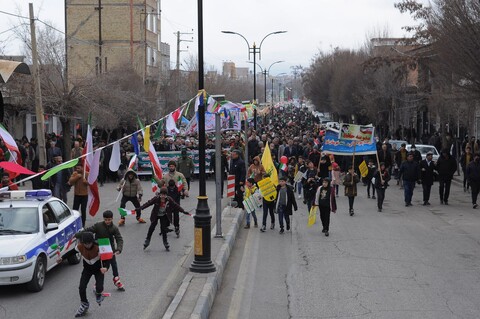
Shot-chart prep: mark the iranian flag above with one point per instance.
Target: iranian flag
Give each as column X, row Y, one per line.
column 105, row 249
column 133, row 160
column 284, row 167
column 179, row 184
column 8, row 140
column 91, row 161
column 123, row 212
column 154, row 186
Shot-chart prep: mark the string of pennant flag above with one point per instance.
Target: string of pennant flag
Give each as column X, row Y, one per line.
column 167, row 123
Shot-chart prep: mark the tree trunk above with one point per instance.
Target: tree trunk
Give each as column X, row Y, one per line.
column 67, row 137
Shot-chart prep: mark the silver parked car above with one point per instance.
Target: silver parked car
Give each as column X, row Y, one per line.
column 424, row 149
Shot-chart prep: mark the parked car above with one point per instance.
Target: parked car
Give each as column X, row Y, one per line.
column 424, row 149
column 35, row 229
column 397, row 143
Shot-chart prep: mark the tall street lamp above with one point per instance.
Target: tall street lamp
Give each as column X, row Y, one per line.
column 202, row 262
column 254, row 50
column 265, row 72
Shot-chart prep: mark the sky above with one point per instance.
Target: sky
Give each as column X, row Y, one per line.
column 312, row 26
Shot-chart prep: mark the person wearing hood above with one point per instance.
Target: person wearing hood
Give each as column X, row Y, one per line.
column 446, row 166
column 132, row 192
column 185, row 166
column 256, row 170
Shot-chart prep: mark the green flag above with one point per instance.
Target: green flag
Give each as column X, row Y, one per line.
column 58, row 168
column 140, row 123
column 158, row 131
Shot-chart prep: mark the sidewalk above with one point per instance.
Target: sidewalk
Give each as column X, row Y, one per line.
column 197, row 291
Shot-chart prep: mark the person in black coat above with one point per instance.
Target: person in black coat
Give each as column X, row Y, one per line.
column 427, row 171
column 285, row 202
column 446, row 166
column 410, row 172
column 382, row 177
column 237, row 168
column 385, row 156
column 473, row 177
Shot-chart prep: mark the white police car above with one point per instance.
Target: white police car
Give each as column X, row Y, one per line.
column 35, row 228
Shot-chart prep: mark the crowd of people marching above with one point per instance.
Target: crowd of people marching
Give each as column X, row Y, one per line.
column 294, row 137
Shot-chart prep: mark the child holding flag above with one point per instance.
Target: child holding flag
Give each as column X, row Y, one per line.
column 132, row 192
column 93, row 265
column 107, row 229
column 251, row 190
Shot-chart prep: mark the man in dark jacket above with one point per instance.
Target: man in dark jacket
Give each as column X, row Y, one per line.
column 285, row 202
column 427, row 168
column 385, row 156
column 410, row 172
column 237, row 168
column 473, row 177
column 446, row 166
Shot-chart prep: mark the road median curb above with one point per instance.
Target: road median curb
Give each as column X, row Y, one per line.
column 211, row 282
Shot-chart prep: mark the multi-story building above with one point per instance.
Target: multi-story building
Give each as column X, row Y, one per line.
column 107, row 34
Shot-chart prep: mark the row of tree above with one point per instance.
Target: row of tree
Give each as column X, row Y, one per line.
column 437, row 71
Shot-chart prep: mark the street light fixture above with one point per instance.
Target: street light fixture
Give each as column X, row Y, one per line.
column 254, row 50
column 202, row 262
column 265, row 72
column 283, row 73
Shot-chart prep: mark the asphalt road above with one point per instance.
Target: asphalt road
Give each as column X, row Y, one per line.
column 143, row 273
column 405, row 262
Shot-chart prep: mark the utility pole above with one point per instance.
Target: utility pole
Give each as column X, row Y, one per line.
column 179, row 39
column 98, row 65
column 179, row 34
column 38, row 92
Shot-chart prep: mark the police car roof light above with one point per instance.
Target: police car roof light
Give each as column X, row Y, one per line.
column 40, row 194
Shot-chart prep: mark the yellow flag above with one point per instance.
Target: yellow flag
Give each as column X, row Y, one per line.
column 363, row 169
column 267, row 163
column 312, row 216
column 146, row 139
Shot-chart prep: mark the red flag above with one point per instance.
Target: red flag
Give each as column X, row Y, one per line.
column 93, row 195
column 16, row 168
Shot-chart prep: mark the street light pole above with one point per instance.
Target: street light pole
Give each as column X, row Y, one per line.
column 254, row 50
column 254, row 87
column 202, row 262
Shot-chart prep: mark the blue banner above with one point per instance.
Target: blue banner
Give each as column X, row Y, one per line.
column 333, row 145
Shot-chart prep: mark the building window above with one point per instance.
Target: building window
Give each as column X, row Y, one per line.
column 149, row 22
column 150, row 57
column 154, row 22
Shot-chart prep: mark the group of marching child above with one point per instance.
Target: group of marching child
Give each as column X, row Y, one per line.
column 101, row 242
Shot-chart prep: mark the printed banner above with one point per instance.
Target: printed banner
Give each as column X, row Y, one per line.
column 144, row 166
column 268, row 189
column 298, row 177
column 333, row 145
column 354, row 132
column 252, row 203
column 230, row 120
column 363, row 169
